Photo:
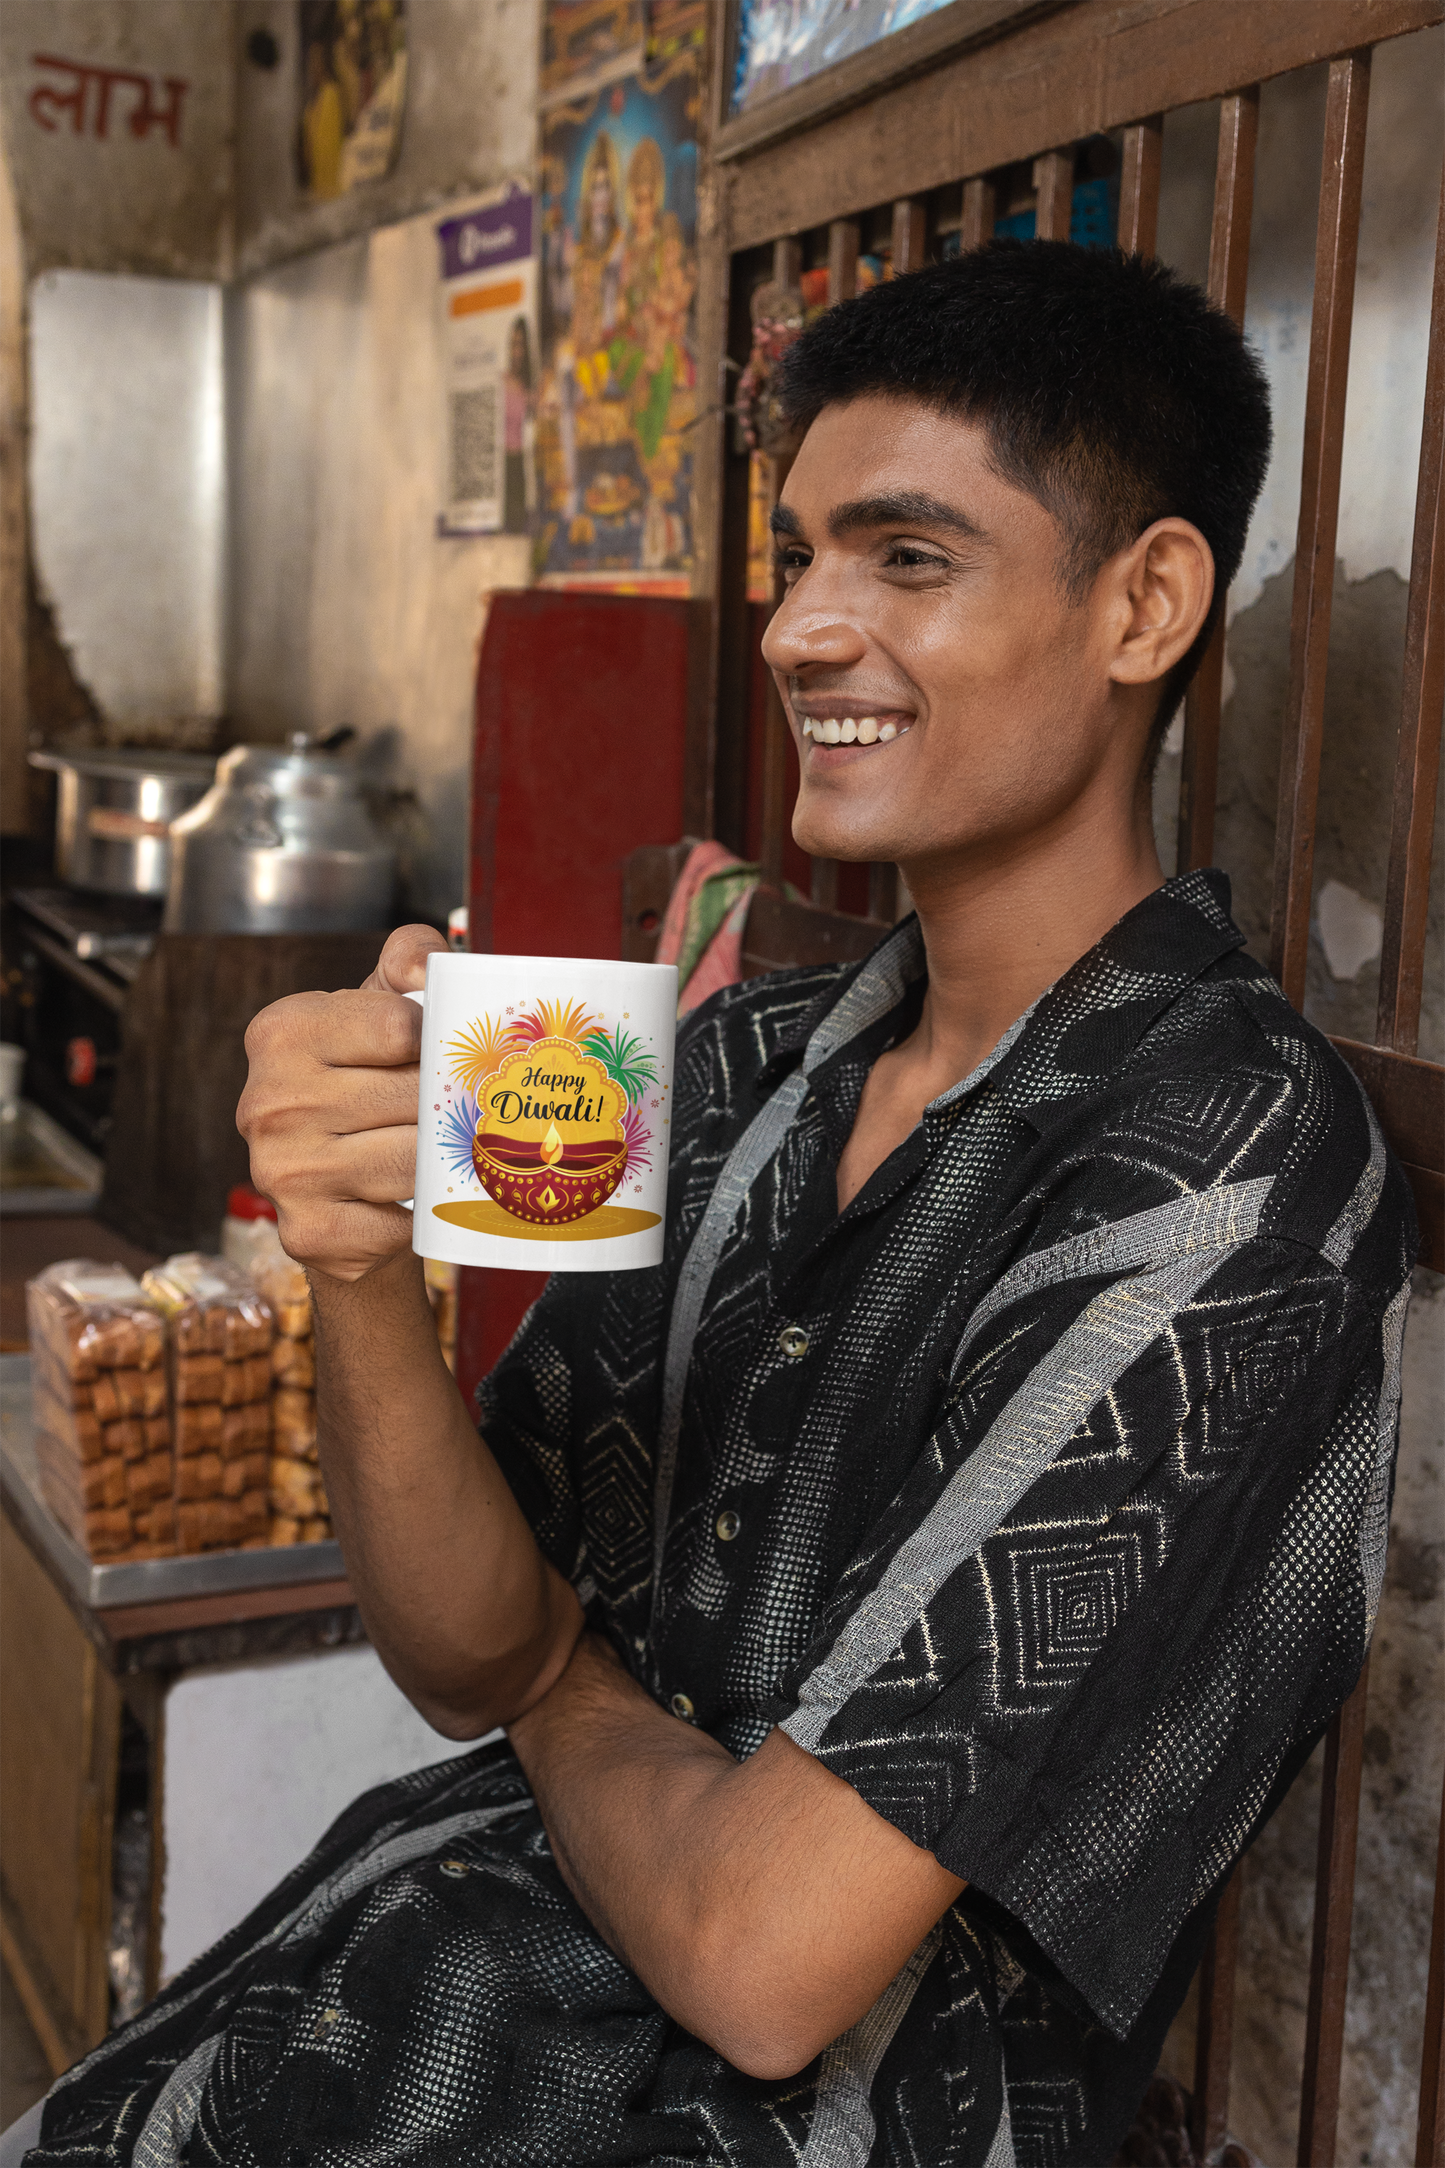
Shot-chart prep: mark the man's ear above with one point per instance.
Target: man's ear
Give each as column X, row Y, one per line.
column 1163, row 586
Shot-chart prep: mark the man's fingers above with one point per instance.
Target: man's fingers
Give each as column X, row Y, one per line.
column 367, row 1029
column 375, row 1166
column 401, row 966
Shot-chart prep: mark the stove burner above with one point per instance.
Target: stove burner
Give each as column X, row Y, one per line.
column 121, row 930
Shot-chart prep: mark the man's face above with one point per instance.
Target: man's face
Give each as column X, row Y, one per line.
column 924, row 599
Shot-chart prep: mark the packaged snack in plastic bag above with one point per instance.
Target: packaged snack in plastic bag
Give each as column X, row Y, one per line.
column 299, row 1509
column 102, row 1426
column 220, row 1362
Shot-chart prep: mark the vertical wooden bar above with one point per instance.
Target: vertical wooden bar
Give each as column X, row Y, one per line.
column 842, row 285
column 1139, row 186
column 1214, row 2038
column 1054, row 182
column 910, row 234
column 1228, row 277
column 1337, row 236
column 842, row 260
column 1430, row 2136
column 728, row 573
column 1417, row 756
column 787, row 271
column 980, row 213
column 1330, row 1949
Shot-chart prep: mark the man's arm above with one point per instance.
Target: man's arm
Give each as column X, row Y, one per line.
column 763, row 1903
column 468, row 1617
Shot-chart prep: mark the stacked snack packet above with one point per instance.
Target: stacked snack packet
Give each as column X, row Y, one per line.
column 298, row 1497
column 102, row 1434
column 220, row 1361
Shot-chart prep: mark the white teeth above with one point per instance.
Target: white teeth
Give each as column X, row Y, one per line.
column 887, row 731
column 807, row 726
column 849, row 732
column 868, row 730
column 832, row 734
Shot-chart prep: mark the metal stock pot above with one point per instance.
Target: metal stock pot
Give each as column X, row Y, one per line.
column 113, row 815
column 283, row 843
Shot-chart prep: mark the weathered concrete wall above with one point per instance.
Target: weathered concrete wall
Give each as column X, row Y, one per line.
column 118, row 200
column 1401, row 1800
column 127, row 495
column 471, row 90
column 346, row 605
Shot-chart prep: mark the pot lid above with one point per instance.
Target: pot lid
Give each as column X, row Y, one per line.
column 128, row 764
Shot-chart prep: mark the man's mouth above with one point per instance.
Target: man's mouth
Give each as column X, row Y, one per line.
column 853, row 729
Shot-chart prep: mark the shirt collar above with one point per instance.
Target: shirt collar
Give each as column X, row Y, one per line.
column 1082, row 1030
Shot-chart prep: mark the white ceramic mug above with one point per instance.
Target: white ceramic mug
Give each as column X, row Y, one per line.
column 545, row 1112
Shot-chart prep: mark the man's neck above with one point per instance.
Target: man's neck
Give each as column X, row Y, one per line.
column 999, row 932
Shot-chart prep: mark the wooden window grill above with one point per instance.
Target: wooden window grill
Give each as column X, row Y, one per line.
column 937, row 150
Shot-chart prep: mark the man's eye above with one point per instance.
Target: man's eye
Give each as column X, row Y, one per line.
column 909, row 557
column 788, row 563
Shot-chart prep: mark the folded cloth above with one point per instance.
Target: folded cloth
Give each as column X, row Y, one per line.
column 702, row 928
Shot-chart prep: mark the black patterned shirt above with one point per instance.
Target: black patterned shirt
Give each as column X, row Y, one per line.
column 1042, row 1494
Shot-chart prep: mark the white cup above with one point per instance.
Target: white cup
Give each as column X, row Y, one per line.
column 545, row 1112
column 12, row 1070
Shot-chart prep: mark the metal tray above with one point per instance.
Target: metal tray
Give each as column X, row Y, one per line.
column 147, row 1580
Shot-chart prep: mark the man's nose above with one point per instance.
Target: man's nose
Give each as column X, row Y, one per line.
column 804, row 630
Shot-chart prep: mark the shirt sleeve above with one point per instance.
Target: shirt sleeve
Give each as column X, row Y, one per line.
column 1134, row 1571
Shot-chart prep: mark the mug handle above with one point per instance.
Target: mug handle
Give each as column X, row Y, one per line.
column 408, row 1204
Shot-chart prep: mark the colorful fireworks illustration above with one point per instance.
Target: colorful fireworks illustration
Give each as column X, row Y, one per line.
column 555, row 1020
column 458, row 1127
column 638, row 1138
column 620, row 1053
column 483, row 1047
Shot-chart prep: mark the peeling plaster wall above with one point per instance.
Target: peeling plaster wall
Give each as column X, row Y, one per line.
column 346, row 605
column 471, row 89
column 1404, row 1747
column 122, row 202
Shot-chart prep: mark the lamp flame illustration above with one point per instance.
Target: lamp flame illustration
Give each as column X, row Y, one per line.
column 550, row 1150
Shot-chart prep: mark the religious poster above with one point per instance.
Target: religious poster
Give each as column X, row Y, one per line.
column 489, row 302
column 618, row 395
column 353, row 93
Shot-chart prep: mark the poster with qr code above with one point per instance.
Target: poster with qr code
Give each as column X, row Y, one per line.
column 489, row 304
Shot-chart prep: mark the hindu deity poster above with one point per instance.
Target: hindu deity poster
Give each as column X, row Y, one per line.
column 353, row 92
column 618, row 394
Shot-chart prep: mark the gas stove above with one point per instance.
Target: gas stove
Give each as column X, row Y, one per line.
column 116, row 931
column 71, row 958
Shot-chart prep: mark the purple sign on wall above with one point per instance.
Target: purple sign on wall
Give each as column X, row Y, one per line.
column 499, row 234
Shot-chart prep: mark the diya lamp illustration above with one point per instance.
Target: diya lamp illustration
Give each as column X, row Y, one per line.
column 550, row 1144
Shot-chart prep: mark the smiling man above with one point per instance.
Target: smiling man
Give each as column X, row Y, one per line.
column 905, row 1604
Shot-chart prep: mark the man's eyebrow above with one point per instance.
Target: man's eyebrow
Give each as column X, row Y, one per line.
column 901, row 508
column 784, row 520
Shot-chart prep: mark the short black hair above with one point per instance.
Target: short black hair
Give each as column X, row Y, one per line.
column 1111, row 390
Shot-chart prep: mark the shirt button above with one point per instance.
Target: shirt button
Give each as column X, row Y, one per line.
column 681, row 1706
column 727, row 1525
column 794, row 1342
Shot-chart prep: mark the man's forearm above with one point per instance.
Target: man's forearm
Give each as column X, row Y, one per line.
column 469, row 1618
column 763, row 1903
